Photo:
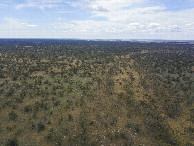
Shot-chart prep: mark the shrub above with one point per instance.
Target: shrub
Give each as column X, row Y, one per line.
column 70, row 118
column 41, row 127
column 27, row 109
column 12, row 142
column 57, row 103
column 13, row 116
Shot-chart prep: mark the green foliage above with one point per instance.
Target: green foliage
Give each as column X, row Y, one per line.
column 57, row 103
column 12, row 142
column 40, row 126
column 70, row 117
column 13, row 116
column 96, row 92
column 54, row 137
column 27, row 108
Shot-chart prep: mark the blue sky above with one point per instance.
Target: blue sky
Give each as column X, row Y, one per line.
column 97, row 19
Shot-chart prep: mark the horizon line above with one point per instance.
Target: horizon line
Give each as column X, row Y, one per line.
column 105, row 39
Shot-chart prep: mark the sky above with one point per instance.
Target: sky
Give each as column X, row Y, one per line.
column 97, row 19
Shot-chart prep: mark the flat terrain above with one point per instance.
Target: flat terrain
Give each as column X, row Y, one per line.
column 59, row 92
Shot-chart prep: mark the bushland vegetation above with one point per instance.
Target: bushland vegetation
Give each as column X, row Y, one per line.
column 72, row 92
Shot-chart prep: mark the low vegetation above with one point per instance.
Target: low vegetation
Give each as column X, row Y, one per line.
column 58, row 92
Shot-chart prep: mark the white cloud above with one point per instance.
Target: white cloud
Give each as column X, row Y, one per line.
column 12, row 23
column 31, row 25
column 114, row 29
column 112, row 5
column 190, row 24
column 135, row 26
column 153, row 25
column 19, row 6
column 41, row 4
column 96, row 9
column 121, row 19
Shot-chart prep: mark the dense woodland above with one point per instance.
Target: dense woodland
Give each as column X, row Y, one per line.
column 73, row 92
